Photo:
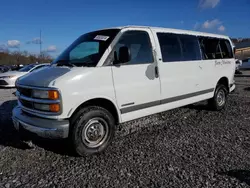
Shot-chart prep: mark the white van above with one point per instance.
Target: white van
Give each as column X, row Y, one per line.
column 115, row 75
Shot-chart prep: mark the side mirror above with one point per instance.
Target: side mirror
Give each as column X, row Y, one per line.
column 124, row 54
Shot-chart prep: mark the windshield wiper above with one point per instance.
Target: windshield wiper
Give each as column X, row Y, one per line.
column 65, row 63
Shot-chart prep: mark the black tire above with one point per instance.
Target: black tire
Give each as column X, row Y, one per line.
column 81, row 123
column 217, row 103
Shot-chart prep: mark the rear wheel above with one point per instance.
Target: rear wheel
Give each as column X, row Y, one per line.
column 219, row 101
column 92, row 131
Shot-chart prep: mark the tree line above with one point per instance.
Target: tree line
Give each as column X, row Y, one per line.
column 239, row 40
column 23, row 57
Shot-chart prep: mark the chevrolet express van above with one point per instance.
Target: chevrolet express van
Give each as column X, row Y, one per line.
column 115, row 75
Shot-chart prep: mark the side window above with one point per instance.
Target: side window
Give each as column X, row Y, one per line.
column 246, row 60
column 226, row 49
column 210, row 48
column 202, row 46
column 170, row 47
column 139, row 44
column 190, row 48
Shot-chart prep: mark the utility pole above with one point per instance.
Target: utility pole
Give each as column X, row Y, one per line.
column 40, row 42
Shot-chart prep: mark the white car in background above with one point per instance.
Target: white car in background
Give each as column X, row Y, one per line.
column 238, row 63
column 8, row 79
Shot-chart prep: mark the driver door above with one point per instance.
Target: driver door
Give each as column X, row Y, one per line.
column 136, row 82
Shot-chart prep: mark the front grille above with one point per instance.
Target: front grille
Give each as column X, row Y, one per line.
column 27, row 101
column 26, row 104
column 25, row 91
column 3, row 83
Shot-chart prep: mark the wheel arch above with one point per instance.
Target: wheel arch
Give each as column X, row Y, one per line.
column 102, row 102
column 224, row 81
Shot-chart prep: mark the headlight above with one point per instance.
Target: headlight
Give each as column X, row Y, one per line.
column 43, row 107
column 47, row 107
column 43, row 94
column 4, row 77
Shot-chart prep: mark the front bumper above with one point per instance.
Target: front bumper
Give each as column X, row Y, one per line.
column 46, row 128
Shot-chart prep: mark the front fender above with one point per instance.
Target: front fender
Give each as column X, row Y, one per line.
column 87, row 99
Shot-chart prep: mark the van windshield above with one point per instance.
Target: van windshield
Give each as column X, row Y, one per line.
column 88, row 49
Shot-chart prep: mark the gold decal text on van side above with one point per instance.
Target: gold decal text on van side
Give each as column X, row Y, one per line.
column 222, row 62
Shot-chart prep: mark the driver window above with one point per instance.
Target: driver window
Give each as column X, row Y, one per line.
column 139, row 45
column 83, row 50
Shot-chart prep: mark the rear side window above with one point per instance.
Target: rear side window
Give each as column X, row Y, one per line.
column 210, row 48
column 175, row 47
column 190, row 48
column 226, row 49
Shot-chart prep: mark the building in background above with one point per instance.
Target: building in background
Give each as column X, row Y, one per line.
column 242, row 49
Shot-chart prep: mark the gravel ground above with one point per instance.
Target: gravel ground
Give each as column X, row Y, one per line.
column 185, row 147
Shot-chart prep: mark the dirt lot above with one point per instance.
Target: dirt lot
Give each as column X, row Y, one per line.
column 185, row 147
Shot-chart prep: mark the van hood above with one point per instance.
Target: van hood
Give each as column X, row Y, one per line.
column 43, row 77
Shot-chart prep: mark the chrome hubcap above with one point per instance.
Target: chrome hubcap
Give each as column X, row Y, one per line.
column 95, row 132
column 221, row 98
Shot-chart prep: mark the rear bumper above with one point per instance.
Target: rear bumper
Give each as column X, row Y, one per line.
column 45, row 128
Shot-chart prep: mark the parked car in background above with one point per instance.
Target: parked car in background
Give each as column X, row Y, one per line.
column 8, row 79
column 16, row 67
column 4, row 68
column 238, row 63
column 245, row 64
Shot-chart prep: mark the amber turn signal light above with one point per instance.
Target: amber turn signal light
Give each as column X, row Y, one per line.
column 54, row 107
column 53, row 94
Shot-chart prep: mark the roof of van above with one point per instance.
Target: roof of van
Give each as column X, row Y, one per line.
column 171, row 30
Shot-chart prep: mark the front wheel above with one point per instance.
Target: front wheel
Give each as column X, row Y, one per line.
column 219, row 101
column 92, row 131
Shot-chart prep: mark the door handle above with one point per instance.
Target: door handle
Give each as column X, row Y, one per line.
column 156, row 72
